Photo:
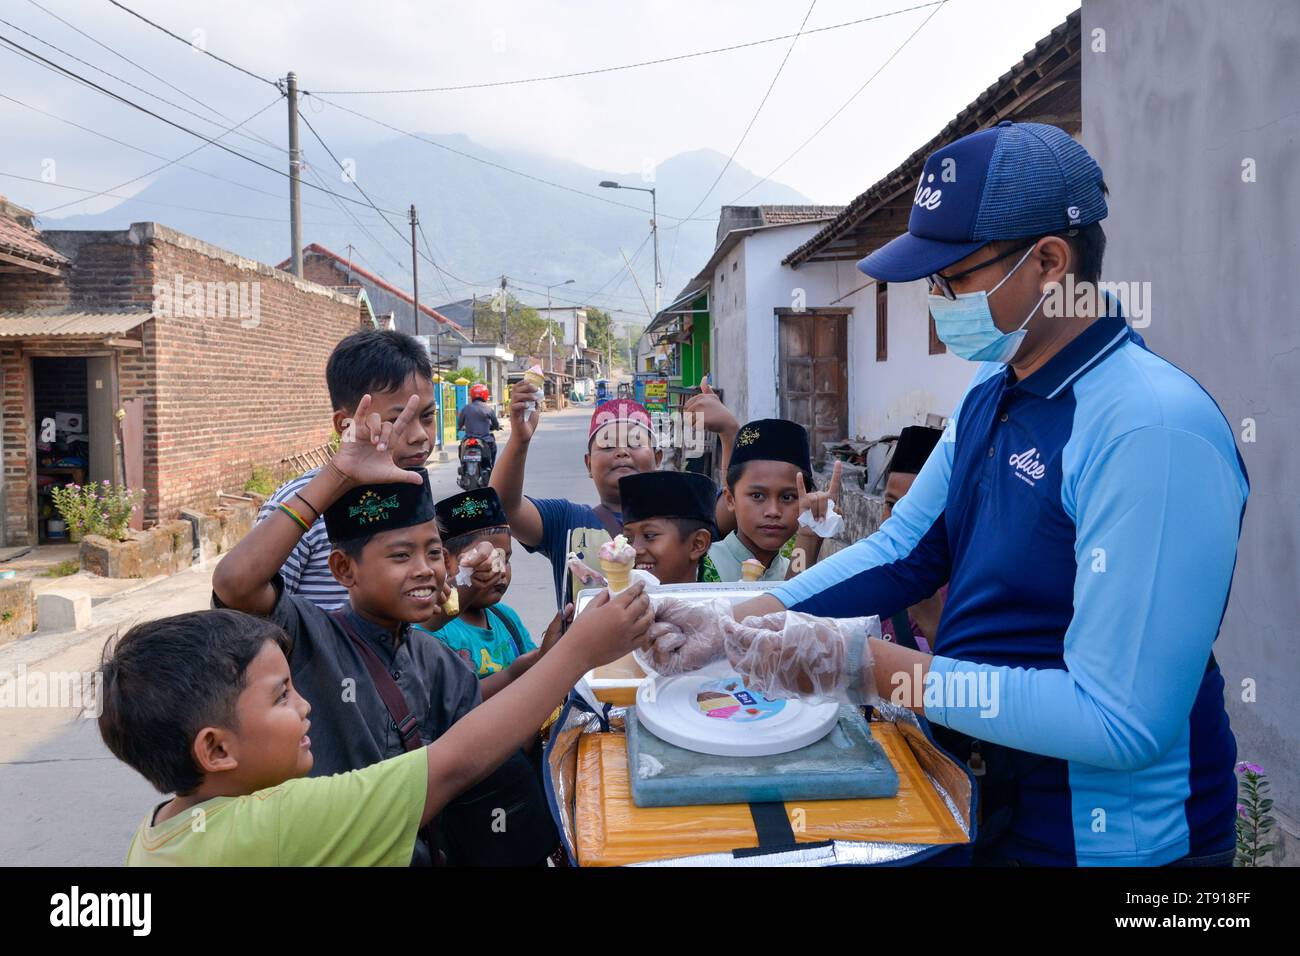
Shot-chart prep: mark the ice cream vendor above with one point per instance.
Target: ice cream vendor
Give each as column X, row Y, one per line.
column 1084, row 506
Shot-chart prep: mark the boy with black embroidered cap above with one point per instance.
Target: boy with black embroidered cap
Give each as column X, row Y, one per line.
column 488, row 635
column 769, row 485
column 668, row 518
column 378, row 688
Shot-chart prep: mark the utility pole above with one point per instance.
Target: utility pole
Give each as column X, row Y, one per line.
column 415, row 274
column 505, row 311
column 654, row 231
column 295, row 165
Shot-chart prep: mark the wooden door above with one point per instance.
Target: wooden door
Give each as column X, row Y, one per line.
column 813, row 364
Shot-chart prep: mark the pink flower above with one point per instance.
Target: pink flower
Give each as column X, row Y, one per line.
column 1251, row 768
column 1241, row 810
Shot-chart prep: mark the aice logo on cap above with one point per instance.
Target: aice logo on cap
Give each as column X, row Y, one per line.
column 926, row 197
column 929, row 197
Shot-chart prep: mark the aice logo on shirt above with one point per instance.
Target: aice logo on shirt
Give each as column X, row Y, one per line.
column 132, row 910
column 1027, row 466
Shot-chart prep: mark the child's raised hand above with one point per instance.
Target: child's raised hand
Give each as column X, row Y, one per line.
column 365, row 455
column 611, row 627
column 818, row 502
column 713, row 416
column 522, row 397
column 484, row 575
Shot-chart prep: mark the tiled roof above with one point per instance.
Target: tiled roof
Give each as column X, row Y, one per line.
column 782, row 215
column 21, row 240
column 371, row 277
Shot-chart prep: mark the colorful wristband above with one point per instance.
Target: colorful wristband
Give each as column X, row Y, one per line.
column 294, row 515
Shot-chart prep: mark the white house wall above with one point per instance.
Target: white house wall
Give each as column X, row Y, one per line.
column 911, row 383
column 730, row 336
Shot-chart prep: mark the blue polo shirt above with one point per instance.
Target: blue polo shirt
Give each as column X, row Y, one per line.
column 1086, row 519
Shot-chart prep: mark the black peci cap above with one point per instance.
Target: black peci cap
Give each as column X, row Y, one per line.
column 912, row 449
column 773, row 439
column 469, row 512
column 370, row 509
column 668, row 494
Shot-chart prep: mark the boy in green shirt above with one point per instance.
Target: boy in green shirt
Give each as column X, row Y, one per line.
column 203, row 705
column 488, row 635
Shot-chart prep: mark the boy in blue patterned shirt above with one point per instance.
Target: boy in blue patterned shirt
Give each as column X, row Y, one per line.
column 488, row 634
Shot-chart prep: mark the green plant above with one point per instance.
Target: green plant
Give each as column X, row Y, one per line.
column 103, row 508
column 62, row 569
column 466, row 372
column 1253, row 817
column 6, row 616
column 261, row 483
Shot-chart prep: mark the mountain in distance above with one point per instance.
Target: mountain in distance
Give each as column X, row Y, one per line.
column 481, row 221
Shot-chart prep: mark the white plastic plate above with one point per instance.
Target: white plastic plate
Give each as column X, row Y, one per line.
column 712, row 712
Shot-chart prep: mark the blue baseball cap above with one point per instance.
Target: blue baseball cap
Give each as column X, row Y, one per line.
column 1013, row 181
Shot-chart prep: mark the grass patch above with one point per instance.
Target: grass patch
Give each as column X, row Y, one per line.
column 62, row 569
column 261, row 483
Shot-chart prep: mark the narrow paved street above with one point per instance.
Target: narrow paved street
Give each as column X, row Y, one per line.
column 71, row 803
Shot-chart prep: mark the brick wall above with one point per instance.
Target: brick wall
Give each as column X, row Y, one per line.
column 218, row 397
column 228, row 396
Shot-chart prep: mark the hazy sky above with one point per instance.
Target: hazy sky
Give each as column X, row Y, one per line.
column 625, row 120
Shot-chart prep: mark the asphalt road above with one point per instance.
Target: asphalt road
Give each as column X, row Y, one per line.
column 66, row 801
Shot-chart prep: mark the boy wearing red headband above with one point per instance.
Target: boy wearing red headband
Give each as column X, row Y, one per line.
column 620, row 441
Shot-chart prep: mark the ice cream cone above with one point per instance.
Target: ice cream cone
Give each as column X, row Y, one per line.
column 533, row 376
column 451, row 607
column 752, row 570
column 617, row 574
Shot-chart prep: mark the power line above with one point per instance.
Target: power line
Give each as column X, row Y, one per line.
column 425, row 240
column 743, row 136
column 386, row 220
column 157, row 26
column 626, row 66
column 150, row 202
column 252, row 137
column 50, row 64
column 147, row 152
column 142, row 69
column 798, row 149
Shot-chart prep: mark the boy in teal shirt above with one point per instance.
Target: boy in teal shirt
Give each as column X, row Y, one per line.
column 488, row 635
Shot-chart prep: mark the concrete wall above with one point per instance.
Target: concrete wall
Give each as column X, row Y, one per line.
column 1183, row 95
column 730, row 330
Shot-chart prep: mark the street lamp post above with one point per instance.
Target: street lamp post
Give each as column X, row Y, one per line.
column 654, row 230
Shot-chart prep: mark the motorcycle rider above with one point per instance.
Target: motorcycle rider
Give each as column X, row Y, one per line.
column 478, row 420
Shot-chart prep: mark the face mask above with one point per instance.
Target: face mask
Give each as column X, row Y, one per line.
column 965, row 324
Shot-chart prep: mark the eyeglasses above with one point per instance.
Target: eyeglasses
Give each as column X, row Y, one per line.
column 943, row 283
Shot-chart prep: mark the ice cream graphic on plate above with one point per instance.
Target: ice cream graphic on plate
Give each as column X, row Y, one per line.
column 751, row 570
column 616, row 560
column 533, row 376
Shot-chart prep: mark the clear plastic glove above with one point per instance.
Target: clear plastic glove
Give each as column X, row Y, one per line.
column 817, row 659
column 685, row 636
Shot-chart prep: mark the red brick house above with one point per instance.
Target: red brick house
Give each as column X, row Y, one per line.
column 216, row 361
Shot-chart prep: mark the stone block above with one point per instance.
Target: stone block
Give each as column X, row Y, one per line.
column 63, row 611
